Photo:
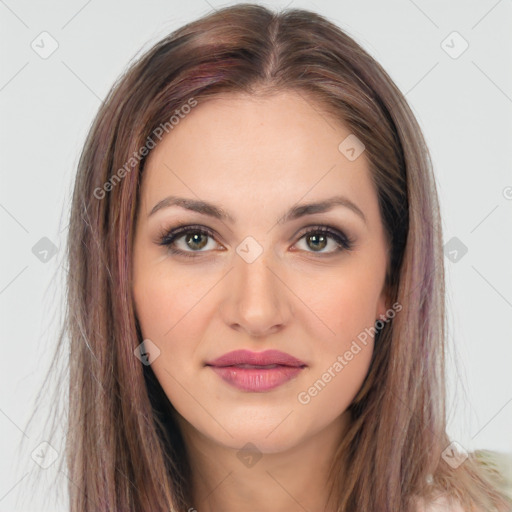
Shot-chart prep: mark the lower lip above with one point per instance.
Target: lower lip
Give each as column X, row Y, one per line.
column 256, row 379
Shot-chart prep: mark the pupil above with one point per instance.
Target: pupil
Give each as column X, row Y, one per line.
column 194, row 238
column 317, row 238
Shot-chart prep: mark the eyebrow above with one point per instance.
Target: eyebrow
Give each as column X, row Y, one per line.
column 294, row 213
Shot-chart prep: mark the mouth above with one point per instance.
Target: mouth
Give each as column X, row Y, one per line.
column 256, row 371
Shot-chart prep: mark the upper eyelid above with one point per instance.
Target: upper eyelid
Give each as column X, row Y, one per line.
column 199, row 227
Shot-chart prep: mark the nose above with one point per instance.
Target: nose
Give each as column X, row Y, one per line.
column 258, row 301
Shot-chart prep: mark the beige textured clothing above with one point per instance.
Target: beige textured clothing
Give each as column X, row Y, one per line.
column 502, row 468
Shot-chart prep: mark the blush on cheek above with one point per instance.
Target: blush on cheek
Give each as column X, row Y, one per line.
column 160, row 307
column 332, row 389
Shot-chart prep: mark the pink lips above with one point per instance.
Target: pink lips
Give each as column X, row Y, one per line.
column 256, row 371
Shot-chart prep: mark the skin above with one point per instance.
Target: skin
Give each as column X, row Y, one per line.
column 256, row 158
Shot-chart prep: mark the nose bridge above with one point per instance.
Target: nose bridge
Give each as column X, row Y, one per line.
column 257, row 296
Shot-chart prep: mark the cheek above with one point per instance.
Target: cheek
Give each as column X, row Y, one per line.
column 165, row 303
column 334, row 387
column 344, row 306
column 168, row 312
column 345, row 302
column 174, row 310
column 341, row 365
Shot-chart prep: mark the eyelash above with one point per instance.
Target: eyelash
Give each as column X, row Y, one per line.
column 167, row 238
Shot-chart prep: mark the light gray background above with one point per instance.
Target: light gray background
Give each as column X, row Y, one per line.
column 463, row 104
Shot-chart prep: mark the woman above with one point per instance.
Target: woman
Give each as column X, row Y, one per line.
column 256, row 288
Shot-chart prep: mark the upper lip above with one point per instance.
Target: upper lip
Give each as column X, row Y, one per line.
column 265, row 358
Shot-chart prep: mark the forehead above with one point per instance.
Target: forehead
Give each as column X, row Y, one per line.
column 246, row 150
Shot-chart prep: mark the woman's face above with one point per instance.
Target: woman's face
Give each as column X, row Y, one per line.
column 262, row 277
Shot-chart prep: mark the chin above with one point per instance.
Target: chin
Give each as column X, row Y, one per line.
column 263, row 435
column 261, row 442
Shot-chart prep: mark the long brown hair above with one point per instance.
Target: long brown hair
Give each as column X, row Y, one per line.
column 124, row 449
